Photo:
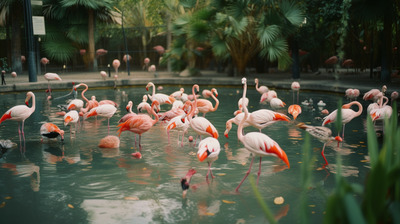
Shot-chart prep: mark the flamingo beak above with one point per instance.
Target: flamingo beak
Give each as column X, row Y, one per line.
column 226, row 135
column 27, row 103
column 147, row 88
column 127, row 109
column 203, row 156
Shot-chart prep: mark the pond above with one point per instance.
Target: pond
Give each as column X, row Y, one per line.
column 78, row 182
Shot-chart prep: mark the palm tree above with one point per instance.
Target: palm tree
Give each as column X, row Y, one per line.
column 72, row 16
column 14, row 18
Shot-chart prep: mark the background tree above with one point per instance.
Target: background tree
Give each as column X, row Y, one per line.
column 14, row 19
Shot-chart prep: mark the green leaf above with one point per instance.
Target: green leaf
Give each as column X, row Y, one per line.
column 372, row 142
column 267, row 212
column 353, row 210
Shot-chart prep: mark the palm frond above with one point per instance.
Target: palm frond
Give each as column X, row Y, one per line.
column 292, row 12
column 267, row 34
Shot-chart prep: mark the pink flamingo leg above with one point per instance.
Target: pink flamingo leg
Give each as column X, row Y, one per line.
column 245, row 176
column 323, row 155
column 19, row 131
column 209, row 171
column 183, row 134
column 22, row 130
column 108, row 126
column 259, row 171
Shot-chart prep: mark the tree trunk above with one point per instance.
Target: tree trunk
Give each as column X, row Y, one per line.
column 16, row 22
column 387, row 55
column 92, row 51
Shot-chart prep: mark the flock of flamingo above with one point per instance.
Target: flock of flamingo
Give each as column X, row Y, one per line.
column 185, row 114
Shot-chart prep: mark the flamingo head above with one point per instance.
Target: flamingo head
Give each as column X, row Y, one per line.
column 244, row 80
column 214, row 90
column 346, row 106
column 203, row 155
column 256, row 81
column 137, row 155
column 338, row 139
column 61, row 132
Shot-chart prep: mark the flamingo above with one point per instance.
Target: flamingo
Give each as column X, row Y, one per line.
column 257, row 143
column 185, row 181
column 268, row 96
column 347, row 114
column 261, row 89
column 209, row 149
column 294, row 110
column 174, row 112
column 373, row 94
column 394, row 96
column 383, row 111
column 143, row 105
column 160, row 97
column 177, row 94
column 129, row 114
column 103, row 75
column 204, row 106
column 277, row 103
column 71, row 117
column 323, row 134
column 295, row 88
column 116, row 63
column 49, row 77
column 50, row 130
column 20, row 113
column 105, row 110
column 259, row 119
column 352, row 94
column 180, row 124
column 141, row 123
column 110, row 141
column 200, row 125
column 73, row 93
column 89, row 103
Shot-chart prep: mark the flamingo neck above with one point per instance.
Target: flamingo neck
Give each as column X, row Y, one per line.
column 154, row 113
column 83, row 93
column 216, row 101
column 154, row 88
column 246, row 114
column 360, row 108
column 192, row 110
column 33, row 107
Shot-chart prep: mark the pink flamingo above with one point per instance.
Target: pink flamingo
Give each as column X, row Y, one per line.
column 257, row 143
column 261, row 89
column 44, row 61
column 268, row 96
column 204, row 106
column 174, row 112
column 295, row 88
column 277, row 103
column 200, row 125
column 140, row 124
column 110, row 141
column 323, row 134
column 89, row 103
column 160, row 97
column 105, row 110
column 185, row 181
column 352, row 94
column 347, row 114
column 177, row 94
column 394, row 96
column 50, row 130
column 180, row 124
column 20, row 113
column 116, row 63
column 259, row 119
column 49, row 77
column 373, row 94
column 294, row 110
column 103, row 75
column 144, row 105
column 209, row 149
column 72, row 117
column 129, row 114
column 146, row 63
column 383, row 111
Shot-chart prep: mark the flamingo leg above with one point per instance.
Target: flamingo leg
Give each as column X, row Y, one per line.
column 259, row 170
column 140, row 144
column 183, row 134
column 323, row 155
column 168, row 137
column 108, row 126
column 343, row 131
column 245, row 176
column 209, row 170
column 19, row 132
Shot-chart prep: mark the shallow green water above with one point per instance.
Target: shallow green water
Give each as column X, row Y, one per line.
column 77, row 182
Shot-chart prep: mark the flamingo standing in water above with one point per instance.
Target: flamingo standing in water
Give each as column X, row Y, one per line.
column 90, row 104
column 140, row 124
column 383, row 111
column 209, row 149
column 277, row 103
column 204, row 106
column 180, row 124
column 295, row 88
column 72, row 117
column 49, row 77
column 373, row 94
column 347, row 114
column 323, row 134
column 352, row 94
column 20, row 113
column 160, row 97
column 200, row 125
column 105, row 110
column 261, row 89
column 129, row 114
column 294, row 110
column 143, row 105
column 50, row 130
column 259, row 119
column 257, row 143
